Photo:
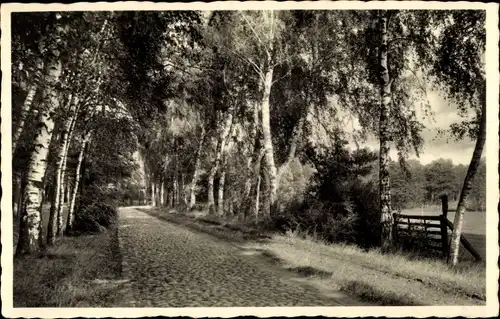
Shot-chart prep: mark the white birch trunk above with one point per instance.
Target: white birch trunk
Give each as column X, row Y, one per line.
column 71, row 209
column 218, row 155
column 257, row 198
column 153, row 193
column 24, row 114
column 466, row 189
column 68, row 191
column 220, row 197
column 183, row 190
column 30, row 228
column 162, row 191
column 253, row 154
column 196, row 173
column 55, row 217
column 267, row 140
column 386, row 219
column 66, row 145
column 211, row 176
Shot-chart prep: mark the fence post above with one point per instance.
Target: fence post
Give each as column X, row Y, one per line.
column 444, row 226
column 395, row 228
column 444, row 205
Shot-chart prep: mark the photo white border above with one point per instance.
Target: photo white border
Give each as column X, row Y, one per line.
column 492, row 147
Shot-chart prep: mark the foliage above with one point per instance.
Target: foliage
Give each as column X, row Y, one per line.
column 459, row 67
column 408, row 186
column 96, row 210
column 338, row 206
column 154, row 83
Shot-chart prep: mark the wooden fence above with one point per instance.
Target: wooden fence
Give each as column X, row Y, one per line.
column 433, row 228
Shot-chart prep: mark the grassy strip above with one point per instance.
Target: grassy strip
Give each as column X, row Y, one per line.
column 207, row 224
column 393, row 277
column 78, row 271
column 380, row 296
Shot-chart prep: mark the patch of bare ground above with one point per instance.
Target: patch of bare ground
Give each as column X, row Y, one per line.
column 78, row 271
column 386, row 279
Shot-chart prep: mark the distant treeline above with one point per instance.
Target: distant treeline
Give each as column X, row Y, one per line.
column 425, row 184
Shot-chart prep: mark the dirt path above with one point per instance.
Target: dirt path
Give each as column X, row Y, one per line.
column 171, row 266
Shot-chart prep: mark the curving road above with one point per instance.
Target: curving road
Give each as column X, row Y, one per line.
column 171, row 266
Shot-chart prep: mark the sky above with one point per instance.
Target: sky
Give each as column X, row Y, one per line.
column 436, row 146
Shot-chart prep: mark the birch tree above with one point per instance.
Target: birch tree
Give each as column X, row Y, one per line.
column 256, row 41
column 394, row 59
column 459, row 68
column 30, row 228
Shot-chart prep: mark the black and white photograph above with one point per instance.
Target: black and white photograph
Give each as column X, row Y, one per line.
column 250, row 158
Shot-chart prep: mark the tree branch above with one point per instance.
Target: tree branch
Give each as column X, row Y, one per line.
column 253, row 30
column 257, row 69
column 391, row 41
column 282, row 77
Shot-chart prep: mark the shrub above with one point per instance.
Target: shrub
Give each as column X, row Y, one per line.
column 337, row 206
column 96, row 217
column 293, row 183
column 96, row 209
column 365, row 201
column 333, row 222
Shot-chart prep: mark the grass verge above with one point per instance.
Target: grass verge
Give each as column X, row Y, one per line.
column 80, row 271
column 387, row 279
column 235, row 232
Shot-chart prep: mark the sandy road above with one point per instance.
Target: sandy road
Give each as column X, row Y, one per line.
column 171, row 266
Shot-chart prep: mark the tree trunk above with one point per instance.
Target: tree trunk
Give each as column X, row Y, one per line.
column 211, row 176
column 68, row 191
column 24, row 114
column 66, row 145
column 196, row 173
column 183, row 190
column 267, row 205
column 176, row 191
column 267, row 140
column 218, row 154
column 17, row 197
column 254, row 153
column 157, row 188
column 466, row 189
column 30, row 238
column 220, row 199
column 171, row 197
column 299, row 128
column 257, row 203
column 162, row 193
column 384, row 178
column 56, row 216
column 153, row 193
column 70, row 138
column 78, row 174
column 296, row 134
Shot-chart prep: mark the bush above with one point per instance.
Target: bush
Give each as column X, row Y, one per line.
column 336, row 204
column 96, row 210
column 365, row 199
column 96, row 217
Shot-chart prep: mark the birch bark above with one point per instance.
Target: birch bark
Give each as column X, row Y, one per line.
column 71, row 209
column 30, row 238
column 384, row 178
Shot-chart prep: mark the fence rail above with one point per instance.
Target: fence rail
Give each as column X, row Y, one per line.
column 423, row 223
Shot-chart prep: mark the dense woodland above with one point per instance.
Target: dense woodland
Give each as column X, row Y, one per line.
column 241, row 114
